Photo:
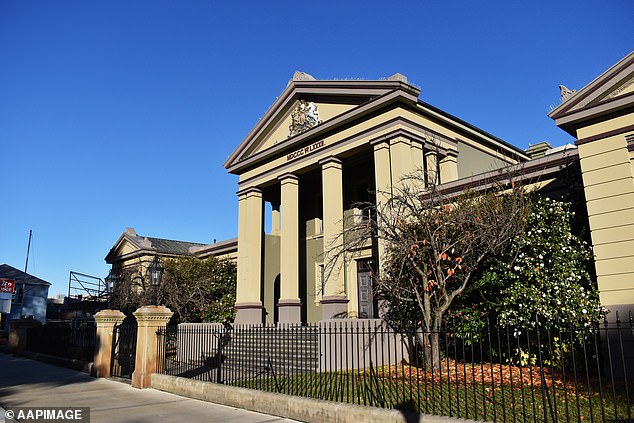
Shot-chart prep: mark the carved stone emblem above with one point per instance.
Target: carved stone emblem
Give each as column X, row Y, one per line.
column 566, row 93
column 304, row 117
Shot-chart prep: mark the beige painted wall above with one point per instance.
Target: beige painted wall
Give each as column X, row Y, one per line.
column 271, row 271
column 472, row 161
column 608, row 177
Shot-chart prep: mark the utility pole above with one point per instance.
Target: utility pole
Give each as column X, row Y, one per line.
column 28, row 248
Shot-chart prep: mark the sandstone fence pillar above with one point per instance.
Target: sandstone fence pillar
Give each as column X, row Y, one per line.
column 149, row 320
column 106, row 321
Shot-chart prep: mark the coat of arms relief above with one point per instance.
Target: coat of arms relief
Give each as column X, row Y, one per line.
column 304, row 117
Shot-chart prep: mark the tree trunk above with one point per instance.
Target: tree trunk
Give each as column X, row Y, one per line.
column 430, row 343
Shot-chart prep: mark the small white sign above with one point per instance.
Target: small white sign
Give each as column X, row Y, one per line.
column 5, row 305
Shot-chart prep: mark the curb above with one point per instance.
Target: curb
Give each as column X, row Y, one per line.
column 288, row 406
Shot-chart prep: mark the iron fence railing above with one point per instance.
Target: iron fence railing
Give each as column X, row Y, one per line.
column 496, row 374
column 66, row 339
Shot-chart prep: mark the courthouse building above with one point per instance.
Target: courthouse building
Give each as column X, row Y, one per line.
column 324, row 146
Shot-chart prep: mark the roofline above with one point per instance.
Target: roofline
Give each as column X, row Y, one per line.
column 592, row 86
column 221, row 247
column 508, row 146
column 108, row 259
column 535, row 168
column 614, row 106
column 30, row 279
column 324, row 87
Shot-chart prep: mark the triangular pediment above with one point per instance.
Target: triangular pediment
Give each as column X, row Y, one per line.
column 296, row 120
column 610, row 91
column 128, row 243
column 305, row 105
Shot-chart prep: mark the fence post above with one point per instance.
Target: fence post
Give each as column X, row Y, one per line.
column 18, row 334
column 149, row 320
column 106, row 321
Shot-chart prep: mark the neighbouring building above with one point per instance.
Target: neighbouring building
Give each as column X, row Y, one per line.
column 135, row 252
column 29, row 299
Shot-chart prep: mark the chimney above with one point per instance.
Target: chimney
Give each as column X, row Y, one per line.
column 535, row 151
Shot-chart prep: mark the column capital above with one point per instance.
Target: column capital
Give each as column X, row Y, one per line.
column 450, row 155
column 380, row 143
column 288, row 178
column 331, row 161
column 400, row 139
column 249, row 190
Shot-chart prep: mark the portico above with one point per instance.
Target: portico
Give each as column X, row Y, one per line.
column 321, row 148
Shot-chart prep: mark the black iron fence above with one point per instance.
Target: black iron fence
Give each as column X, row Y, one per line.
column 495, row 374
column 74, row 339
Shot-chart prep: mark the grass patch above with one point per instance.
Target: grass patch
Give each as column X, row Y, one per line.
column 479, row 392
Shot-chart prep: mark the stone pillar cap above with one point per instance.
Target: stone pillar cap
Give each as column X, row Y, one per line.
column 109, row 316
column 153, row 312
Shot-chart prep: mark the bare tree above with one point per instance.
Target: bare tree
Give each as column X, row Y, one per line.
column 431, row 245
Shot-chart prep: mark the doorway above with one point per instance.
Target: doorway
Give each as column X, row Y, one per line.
column 367, row 303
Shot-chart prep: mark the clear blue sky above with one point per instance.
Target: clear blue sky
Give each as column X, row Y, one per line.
column 121, row 113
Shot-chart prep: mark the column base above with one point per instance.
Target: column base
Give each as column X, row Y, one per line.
column 334, row 307
column 248, row 313
column 290, row 311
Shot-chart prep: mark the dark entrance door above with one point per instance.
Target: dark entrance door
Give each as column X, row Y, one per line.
column 364, row 283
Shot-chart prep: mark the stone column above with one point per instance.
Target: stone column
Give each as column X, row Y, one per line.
column 18, row 334
column 431, row 162
column 334, row 301
column 250, row 236
column 449, row 168
column 289, row 303
column 383, row 182
column 417, row 155
column 382, row 172
column 106, row 321
column 400, row 159
column 149, row 320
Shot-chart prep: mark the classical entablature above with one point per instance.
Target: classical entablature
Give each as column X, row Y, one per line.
column 322, row 147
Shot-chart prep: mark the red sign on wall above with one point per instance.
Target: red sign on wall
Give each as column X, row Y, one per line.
column 7, row 285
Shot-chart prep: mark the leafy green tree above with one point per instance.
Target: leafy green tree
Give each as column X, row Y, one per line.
column 195, row 290
column 199, row 290
column 544, row 278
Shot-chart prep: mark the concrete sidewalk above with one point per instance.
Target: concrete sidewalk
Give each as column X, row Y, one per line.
column 27, row 383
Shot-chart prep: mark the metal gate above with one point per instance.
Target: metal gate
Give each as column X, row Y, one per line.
column 124, row 349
